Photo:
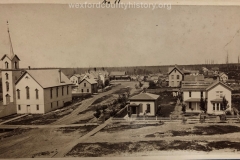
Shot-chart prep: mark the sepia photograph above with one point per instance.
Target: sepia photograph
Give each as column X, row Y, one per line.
column 119, row 79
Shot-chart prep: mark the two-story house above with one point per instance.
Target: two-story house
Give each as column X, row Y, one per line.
column 211, row 91
column 88, row 85
column 175, row 77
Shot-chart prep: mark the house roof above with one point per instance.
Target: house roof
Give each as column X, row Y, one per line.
column 172, row 68
column 118, row 73
column 221, row 74
column 47, row 78
column 10, row 56
column 76, row 75
column 90, row 80
column 145, row 96
column 217, row 83
column 195, row 85
column 193, row 78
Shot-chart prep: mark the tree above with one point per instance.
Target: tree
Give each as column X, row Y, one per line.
column 203, row 105
column 106, row 83
column 183, row 107
column 97, row 114
column 224, row 103
column 152, row 84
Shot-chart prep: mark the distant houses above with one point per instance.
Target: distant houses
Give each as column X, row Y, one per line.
column 88, row 85
column 175, row 76
column 119, row 75
column 76, row 78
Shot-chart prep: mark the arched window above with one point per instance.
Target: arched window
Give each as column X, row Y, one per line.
column 36, row 93
column 15, row 65
column 18, row 93
column 6, row 76
column 27, row 93
column 6, row 65
column 7, row 86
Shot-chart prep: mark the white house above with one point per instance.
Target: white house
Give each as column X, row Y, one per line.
column 88, row 85
column 41, row 91
column 175, row 76
column 223, row 77
column 211, row 91
column 143, row 102
column 75, row 79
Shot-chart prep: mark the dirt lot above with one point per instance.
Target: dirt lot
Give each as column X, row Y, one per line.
column 127, row 148
column 41, row 143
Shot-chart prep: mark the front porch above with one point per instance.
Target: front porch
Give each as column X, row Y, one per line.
column 193, row 105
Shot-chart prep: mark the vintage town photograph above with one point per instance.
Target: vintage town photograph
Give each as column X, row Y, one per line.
column 118, row 79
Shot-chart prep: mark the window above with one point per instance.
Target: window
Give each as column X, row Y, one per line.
column 67, row 90
column 62, row 90
column 214, row 106
column 36, row 93
column 51, row 93
column 82, row 90
column 6, row 76
column 15, row 65
column 57, row 103
column 219, row 94
column 27, row 92
column 84, row 84
column 18, row 93
column 7, row 86
column 6, row 65
column 87, row 90
column 19, row 107
column 190, row 105
column 37, row 107
column 217, row 106
column 51, row 105
column 172, row 83
column 57, row 91
column 190, row 94
column 172, row 76
column 201, row 94
column 177, row 76
column 148, row 108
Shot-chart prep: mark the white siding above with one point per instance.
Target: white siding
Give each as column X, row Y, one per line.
column 212, row 95
column 173, row 81
column 27, row 80
column 144, row 104
column 194, row 94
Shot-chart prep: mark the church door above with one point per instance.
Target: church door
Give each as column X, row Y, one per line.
column 7, row 99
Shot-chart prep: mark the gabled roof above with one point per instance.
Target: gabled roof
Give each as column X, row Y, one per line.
column 217, row 83
column 10, row 56
column 222, row 73
column 118, row 73
column 172, row 69
column 90, row 80
column 145, row 96
column 47, row 78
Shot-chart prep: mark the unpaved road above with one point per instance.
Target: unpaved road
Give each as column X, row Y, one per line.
column 27, row 144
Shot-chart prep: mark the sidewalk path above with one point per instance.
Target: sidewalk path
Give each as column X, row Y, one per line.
column 62, row 152
column 20, row 116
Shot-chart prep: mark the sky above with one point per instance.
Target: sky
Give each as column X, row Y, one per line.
column 55, row 35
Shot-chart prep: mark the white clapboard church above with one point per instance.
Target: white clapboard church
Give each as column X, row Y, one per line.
column 31, row 91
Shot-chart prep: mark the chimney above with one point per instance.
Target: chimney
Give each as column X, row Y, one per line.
column 60, row 78
column 29, row 67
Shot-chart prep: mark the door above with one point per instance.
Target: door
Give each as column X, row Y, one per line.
column 28, row 109
column 7, row 99
column 134, row 110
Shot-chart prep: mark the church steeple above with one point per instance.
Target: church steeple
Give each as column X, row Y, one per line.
column 10, row 42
